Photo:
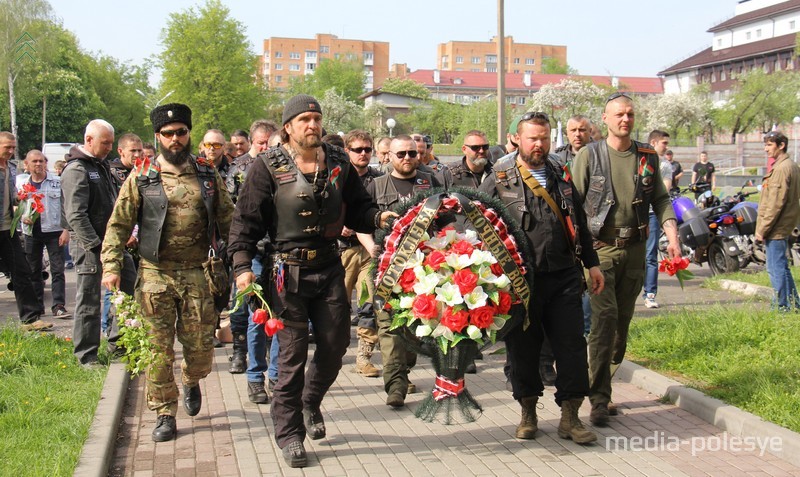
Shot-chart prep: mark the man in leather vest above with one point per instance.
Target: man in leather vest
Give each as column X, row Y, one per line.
column 302, row 194
column 539, row 194
column 88, row 192
column 130, row 149
column 182, row 209
column 395, row 188
column 474, row 165
column 617, row 180
column 578, row 129
column 427, row 162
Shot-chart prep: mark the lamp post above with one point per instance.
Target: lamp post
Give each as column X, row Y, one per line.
column 796, row 122
column 391, row 123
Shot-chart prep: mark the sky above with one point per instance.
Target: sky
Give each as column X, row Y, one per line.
column 612, row 37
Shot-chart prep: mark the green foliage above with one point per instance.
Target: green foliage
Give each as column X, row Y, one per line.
column 208, row 64
column 554, row 67
column 745, row 356
column 339, row 113
column 405, row 87
column 482, row 115
column 46, row 397
column 678, row 114
column 345, row 78
column 440, row 119
column 569, row 97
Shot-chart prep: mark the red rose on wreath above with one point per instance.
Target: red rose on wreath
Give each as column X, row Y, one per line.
column 407, row 280
column 504, row 304
column 466, row 280
column 482, row 317
column 455, row 321
column 496, row 269
column 462, row 247
column 424, row 306
column 435, row 259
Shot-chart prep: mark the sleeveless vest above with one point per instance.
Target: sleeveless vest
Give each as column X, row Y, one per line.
column 386, row 194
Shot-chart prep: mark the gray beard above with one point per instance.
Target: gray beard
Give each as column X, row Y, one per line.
column 178, row 158
column 480, row 161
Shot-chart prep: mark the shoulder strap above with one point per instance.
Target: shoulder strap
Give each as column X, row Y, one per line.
column 541, row 192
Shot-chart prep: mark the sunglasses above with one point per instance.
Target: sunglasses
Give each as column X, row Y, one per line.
column 535, row 115
column 359, row 150
column 211, row 145
column 478, row 147
column 618, row 94
column 402, row 154
column 168, row 133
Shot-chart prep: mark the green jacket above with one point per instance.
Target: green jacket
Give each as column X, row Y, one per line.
column 779, row 207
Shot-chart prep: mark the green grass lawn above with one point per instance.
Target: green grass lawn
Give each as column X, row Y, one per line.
column 748, row 357
column 47, row 402
column 759, row 278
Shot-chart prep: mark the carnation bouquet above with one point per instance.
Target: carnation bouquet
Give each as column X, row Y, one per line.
column 448, row 275
column 29, row 209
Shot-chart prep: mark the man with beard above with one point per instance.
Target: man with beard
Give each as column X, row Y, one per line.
column 474, row 165
column 88, row 192
column 302, row 194
column 616, row 181
column 183, row 209
column 536, row 192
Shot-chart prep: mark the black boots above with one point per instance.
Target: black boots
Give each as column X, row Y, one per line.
column 239, row 357
column 166, row 429
column 192, row 399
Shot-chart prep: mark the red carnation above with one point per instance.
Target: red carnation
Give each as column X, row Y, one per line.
column 424, row 306
column 497, row 270
column 407, row 280
column 462, row 247
column 466, row 280
column 455, row 320
column 504, row 304
column 435, row 259
column 482, row 317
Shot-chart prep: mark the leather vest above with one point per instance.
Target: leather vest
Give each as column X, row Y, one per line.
column 154, row 205
column 119, row 171
column 386, row 194
column 463, row 177
column 600, row 196
column 299, row 214
column 511, row 190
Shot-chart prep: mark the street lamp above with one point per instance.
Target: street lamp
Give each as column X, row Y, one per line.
column 391, row 123
column 796, row 122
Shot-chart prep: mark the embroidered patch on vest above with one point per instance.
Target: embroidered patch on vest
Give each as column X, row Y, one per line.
column 285, row 178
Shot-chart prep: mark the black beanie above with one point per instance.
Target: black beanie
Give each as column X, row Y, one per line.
column 300, row 104
column 170, row 113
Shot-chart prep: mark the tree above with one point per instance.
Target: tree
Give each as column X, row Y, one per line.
column 340, row 114
column 760, row 100
column 440, row 119
column 551, row 66
column 16, row 51
column 346, row 77
column 567, row 98
column 208, row 64
column 677, row 113
column 405, row 87
column 481, row 115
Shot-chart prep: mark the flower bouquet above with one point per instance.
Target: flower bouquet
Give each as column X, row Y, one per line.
column 29, row 209
column 134, row 334
column 451, row 292
column 262, row 315
column 677, row 267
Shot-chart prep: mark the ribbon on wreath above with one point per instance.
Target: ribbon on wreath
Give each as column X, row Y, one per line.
column 443, row 388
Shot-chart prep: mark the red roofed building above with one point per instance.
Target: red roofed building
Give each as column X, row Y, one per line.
column 762, row 34
column 467, row 87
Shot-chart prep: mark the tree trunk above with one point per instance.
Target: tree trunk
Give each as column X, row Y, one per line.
column 12, row 108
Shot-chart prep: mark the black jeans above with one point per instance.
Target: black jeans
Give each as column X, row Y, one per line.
column 34, row 250
column 556, row 305
column 20, row 273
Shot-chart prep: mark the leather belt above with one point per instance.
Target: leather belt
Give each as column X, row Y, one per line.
column 309, row 254
column 626, row 236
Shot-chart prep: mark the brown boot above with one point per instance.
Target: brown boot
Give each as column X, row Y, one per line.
column 599, row 415
column 363, row 365
column 570, row 426
column 528, row 424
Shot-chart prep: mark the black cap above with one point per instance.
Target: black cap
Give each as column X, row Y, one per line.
column 300, row 104
column 171, row 113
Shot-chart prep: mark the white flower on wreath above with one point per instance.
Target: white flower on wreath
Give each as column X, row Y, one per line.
column 481, row 257
column 407, row 301
column 500, row 282
column 458, row 262
column 449, row 294
column 476, row 298
column 426, row 283
column 471, row 236
column 415, row 260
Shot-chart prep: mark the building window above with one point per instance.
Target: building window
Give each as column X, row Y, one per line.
column 719, row 41
column 789, row 64
column 528, row 72
column 516, row 61
column 722, row 75
column 747, row 35
column 352, row 56
column 310, row 66
column 516, row 72
column 294, row 67
column 791, row 24
column 368, row 55
column 491, row 59
column 266, row 55
column 294, row 56
column 521, row 100
column 758, row 33
column 444, row 59
column 278, row 79
column 476, row 60
column 776, row 66
column 278, row 54
column 337, row 55
column 278, row 66
column 491, row 69
column 459, row 60
column 475, row 70
column 311, row 54
column 475, row 98
column 529, row 61
column 324, row 49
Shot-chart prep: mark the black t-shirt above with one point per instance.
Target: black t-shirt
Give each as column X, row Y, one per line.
column 405, row 188
column 704, row 172
column 676, row 169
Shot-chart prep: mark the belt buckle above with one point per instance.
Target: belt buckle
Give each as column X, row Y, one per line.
column 311, row 254
column 620, row 242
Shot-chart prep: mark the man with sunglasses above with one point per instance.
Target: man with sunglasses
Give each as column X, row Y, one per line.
column 540, row 196
column 617, row 180
column 426, row 161
column 213, row 148
column 356, row 258
column 474, row 166
column 183, row 210
column 88, row 193
column 302, row 194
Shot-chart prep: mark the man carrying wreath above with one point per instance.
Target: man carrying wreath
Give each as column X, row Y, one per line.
column 539, row 195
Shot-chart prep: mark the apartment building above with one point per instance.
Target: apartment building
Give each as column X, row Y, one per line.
column 284, row 58
column 481, row 56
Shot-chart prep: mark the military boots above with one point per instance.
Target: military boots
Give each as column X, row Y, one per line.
column 364, row 366
column 528, row 424
column 239, row 357
column 570, row 427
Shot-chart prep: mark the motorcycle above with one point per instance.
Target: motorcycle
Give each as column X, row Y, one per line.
column 746, row 212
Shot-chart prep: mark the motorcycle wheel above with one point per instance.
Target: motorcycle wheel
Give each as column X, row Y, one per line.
column 719, row 261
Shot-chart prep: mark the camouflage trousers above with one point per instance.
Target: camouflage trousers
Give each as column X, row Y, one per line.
column 176, row 301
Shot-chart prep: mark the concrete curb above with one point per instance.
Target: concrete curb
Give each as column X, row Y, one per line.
column 746, row 288
column 98, row 450
column 724, row 416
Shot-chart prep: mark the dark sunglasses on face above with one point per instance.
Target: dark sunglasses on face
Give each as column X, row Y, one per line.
column 618, row 94
column 168, row 133
column 535, row 115
column 402, row 154
column 478, row 147
column 359, row 150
